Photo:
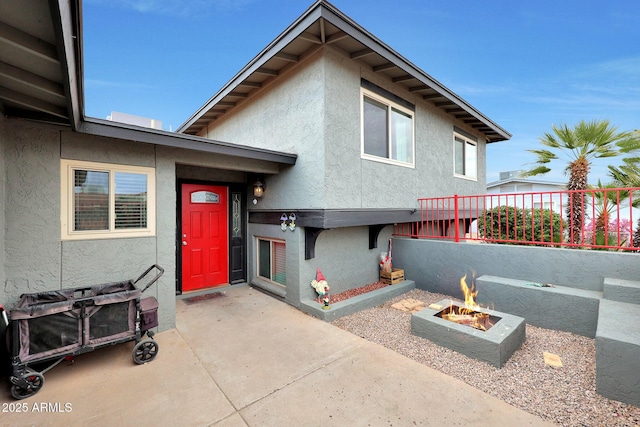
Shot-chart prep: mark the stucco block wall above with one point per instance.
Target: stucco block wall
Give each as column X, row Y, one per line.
column 437, row 266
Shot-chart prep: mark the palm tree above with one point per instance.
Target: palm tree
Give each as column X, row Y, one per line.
column 628, row 175
column 581, row 144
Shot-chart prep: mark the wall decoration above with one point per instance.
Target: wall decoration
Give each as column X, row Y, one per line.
column 292, row 224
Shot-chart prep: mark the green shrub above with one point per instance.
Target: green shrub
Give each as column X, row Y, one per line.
column 508, row 223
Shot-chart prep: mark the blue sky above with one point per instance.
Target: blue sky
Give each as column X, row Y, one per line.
column 526, row 65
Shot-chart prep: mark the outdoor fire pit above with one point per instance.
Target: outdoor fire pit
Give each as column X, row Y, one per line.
column 469, row 329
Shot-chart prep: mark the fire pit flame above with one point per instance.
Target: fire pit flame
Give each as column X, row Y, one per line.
column 467, row 315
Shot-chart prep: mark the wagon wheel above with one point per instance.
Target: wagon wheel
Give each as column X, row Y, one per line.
column 145, row 351
column 34, row 381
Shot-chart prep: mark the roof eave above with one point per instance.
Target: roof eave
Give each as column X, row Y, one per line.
column 324, row 10
column 288, row 35
column 67, row 22
column 111, row 129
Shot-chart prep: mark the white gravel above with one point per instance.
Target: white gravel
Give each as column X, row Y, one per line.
column 565, row 396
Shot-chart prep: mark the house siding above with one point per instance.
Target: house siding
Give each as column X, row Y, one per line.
column 32, row 210
column 314, row 110
column 354, row 182
column 35, row 258
column 288, row 116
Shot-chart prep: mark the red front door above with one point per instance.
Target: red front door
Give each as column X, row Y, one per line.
column 205, row 246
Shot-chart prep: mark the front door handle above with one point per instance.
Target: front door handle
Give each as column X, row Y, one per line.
column 184, row 243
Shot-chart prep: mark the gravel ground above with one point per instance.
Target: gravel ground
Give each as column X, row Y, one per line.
column 565, row 396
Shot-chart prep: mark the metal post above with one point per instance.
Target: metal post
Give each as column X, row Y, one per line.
column 456, row 217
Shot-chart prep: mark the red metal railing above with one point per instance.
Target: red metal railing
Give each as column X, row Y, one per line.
column 595, row 218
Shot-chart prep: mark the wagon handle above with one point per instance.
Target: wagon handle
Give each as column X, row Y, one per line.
column 154, row 279
column 4, row 316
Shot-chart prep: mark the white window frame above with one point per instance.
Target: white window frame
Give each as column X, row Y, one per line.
column 67, row 168
column 390, row 105
column 271, row 272
column 466, row 160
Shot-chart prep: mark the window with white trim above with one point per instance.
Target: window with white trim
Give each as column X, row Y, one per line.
column 387, row 130
column 465, row 156
column 272, row 260
column 543, row 205
column 101, row 200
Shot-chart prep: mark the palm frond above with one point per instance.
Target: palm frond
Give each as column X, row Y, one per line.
column 540, row 170
column 544, row 156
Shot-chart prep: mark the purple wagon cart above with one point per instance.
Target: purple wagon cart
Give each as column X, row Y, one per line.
column 47, row 327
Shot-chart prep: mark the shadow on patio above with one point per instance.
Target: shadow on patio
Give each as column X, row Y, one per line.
column 248, row 359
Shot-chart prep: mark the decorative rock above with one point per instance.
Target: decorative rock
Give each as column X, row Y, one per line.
column 552, row 360
column 409, row 305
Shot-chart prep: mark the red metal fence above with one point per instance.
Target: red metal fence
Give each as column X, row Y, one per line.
column 595, row 218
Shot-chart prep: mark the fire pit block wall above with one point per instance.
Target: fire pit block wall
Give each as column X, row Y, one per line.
column 559, row 308
column 494, row 346
column 622, row 290
column 618, row 352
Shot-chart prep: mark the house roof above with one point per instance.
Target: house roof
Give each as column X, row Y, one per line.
column 323, row 24
column 40, row 61
column 560, row 185
column 41, row 79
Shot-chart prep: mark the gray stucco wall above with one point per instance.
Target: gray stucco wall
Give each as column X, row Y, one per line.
column 343, row 256
column 288, row 116
column 437, row 266
column 353, row 182
column 32, row 210
column 345, row 259
column 34, row 256
column 314, row 111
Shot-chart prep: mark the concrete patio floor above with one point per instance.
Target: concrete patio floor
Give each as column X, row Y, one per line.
column 247, row 359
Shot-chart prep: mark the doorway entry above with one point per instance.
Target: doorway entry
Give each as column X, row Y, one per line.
column 204, row 236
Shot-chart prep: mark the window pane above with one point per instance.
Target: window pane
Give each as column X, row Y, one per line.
column 470, row 160
column 130, row 200
column 90, row 200
column 402, row 136
column 375, row 128
column 236, row 219
column 459, row 156
column 279, row 263
column 264, row 259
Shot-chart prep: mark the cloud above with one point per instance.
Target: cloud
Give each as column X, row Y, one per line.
column 627, row 67
column 593, row 89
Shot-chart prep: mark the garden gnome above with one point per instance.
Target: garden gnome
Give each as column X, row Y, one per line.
column 322, row 288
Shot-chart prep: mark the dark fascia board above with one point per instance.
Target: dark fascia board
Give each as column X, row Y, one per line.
column 325, row 10
column 106, row 128
column 66, row 16
column 336, row 218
